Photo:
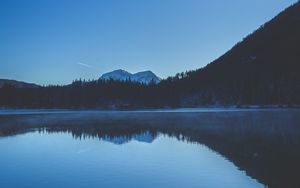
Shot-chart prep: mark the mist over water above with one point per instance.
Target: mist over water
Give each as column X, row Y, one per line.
column 212, row 148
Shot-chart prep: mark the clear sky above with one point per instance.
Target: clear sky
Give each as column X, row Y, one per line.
column 57, row 41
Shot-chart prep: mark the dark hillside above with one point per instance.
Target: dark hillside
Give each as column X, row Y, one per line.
column 263, row 68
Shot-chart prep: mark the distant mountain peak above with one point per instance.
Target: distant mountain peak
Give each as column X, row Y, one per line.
column 17, row 84
column 144, row 77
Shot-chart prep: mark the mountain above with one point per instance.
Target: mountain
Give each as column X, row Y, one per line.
column 120, row 75
column 262, row 69
column 17, row 84
column 145, row 77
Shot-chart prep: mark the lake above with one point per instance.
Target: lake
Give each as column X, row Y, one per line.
column 160, row 148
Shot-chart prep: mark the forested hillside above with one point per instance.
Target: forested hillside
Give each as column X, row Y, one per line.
column 263, row 69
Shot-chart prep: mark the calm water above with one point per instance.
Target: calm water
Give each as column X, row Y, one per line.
column 214, row 148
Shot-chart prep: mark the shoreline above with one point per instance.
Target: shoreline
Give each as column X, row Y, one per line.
column 28, row 111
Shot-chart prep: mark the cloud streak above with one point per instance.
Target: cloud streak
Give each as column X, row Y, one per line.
column 84, row 65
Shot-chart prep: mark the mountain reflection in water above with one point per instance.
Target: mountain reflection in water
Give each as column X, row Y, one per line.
column 263, row 143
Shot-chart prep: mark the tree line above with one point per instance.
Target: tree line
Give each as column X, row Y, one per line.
column 188, row 89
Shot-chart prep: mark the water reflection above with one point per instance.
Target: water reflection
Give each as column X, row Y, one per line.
column 263, row 143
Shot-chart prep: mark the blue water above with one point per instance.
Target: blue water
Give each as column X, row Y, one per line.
column 59, row 160
column 209, row 148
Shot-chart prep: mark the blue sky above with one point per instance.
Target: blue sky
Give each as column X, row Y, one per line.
column 57, row 41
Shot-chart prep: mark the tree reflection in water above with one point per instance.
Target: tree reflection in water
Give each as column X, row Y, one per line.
column 265, row 143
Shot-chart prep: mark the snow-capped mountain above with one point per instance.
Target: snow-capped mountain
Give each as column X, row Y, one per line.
column 145, row 77
column 120, row 75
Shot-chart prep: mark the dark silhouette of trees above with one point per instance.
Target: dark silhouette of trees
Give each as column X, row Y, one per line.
column 263, row 69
